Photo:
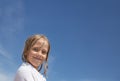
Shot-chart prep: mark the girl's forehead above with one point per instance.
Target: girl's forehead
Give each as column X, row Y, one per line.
column 41, row 41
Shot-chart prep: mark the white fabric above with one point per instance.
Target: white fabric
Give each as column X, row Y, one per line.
column 27, row 72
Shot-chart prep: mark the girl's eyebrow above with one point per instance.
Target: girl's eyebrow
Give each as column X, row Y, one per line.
column 36, row 46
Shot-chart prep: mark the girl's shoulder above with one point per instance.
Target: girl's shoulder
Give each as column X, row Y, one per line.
column 25, row 67
column 23, row 74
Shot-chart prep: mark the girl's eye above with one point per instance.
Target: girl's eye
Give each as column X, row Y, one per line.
column 36, row 49
column 44, row 51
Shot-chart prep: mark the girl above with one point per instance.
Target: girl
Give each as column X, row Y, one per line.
column 35, row 54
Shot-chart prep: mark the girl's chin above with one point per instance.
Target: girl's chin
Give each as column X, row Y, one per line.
column 36, row 65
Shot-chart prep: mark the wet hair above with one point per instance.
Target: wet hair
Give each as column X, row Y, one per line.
column 30, row 42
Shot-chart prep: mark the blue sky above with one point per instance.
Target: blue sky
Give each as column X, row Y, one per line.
column 84, row 37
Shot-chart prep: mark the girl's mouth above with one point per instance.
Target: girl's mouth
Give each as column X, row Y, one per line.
column 37, row 58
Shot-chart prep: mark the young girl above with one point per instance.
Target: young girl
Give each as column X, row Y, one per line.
column 35, row 54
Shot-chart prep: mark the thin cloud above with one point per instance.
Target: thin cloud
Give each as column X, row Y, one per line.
column 11, row 17
column 11, row 24
column 5, row 58
column 3, row 77
column 4, row 53
column 6, row 77
column 51, row 64
column 51, row 59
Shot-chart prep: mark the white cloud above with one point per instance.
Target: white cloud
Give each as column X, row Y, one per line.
column 11, row 23
column 11, row 17
column 3, row 77
column 6, row 59
column 6, row 77
column 4, row 53
column 51, row 59
column 51, row 64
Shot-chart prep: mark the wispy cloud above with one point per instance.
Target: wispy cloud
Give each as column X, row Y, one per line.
column 4, row 53
column 51, row 64
column 3, row 77
column 5, row 58
column 6, row 77
column 11, row 24
column 11, row 17
column 51, row 59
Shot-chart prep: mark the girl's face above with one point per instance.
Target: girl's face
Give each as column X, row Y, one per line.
column 38, row 53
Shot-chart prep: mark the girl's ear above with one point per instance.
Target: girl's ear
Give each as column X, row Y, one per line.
column 25, row 54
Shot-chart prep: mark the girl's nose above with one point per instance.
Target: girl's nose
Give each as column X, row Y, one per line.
column 40, row 53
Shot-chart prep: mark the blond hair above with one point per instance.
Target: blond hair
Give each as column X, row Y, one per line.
column 29, row 43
